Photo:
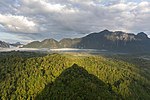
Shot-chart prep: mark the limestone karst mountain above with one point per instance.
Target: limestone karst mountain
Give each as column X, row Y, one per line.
column 112, row 41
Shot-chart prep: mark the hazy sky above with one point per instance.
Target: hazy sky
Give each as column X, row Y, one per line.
column 28, row 20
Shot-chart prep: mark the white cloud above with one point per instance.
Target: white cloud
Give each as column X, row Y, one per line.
column 67, row 17
column 17, row 23
column 43, row 6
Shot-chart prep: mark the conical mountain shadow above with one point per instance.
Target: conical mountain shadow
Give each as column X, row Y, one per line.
column 75, row 83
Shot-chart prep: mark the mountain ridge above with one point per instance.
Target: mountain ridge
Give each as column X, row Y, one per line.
column 113, row 41
column 4, row 44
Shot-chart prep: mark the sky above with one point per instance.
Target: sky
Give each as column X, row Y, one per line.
column 28, row 20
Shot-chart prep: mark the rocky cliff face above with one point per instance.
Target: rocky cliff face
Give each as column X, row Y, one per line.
column 114, row 41
column 4, row 44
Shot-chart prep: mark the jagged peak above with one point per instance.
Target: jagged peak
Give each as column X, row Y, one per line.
column 142, row 35
column 105, row 31
column 4, row 44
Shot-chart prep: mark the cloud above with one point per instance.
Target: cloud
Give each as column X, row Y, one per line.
column 17, row 23
column 72, row 18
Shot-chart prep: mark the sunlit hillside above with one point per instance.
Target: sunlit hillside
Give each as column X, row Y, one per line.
column 25, row 75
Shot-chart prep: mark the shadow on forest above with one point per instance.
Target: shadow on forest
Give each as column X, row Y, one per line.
column 75, row 83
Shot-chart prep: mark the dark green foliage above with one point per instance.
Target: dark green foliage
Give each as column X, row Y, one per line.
column 75, row 83
column 25, row 75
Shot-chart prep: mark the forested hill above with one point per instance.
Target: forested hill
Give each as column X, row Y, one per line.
column 113, row 41
column 26, row 76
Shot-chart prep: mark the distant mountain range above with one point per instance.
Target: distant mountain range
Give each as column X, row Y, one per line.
column 4, row 44
column 17, row 44
column 108, row 40
column 8, row 45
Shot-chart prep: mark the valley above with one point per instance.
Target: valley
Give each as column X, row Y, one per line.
column 73, row 75
column 74, row 49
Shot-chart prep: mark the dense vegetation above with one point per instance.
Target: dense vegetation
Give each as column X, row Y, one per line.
column 25, row 75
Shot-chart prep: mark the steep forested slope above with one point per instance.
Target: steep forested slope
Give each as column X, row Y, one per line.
column 67, row 76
